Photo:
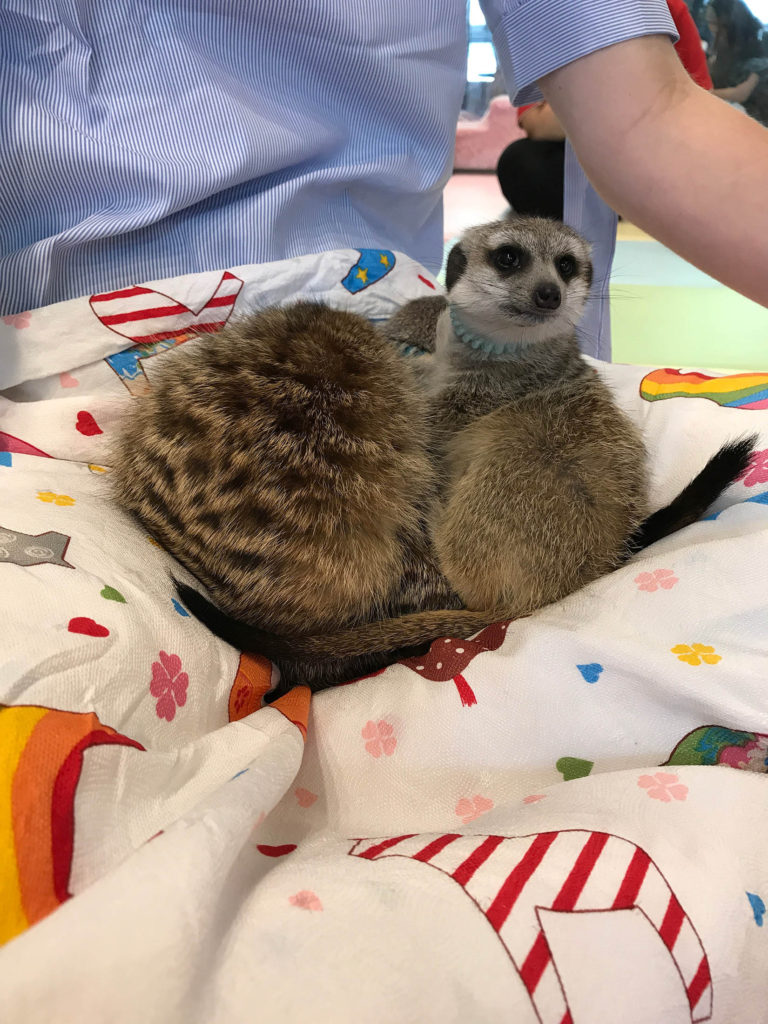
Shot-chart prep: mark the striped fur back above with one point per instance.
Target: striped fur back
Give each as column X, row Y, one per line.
column 283, row 462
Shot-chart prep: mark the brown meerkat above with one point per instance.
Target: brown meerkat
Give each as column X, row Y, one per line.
column 284, row 463
column 544, row 478
column 414, row 326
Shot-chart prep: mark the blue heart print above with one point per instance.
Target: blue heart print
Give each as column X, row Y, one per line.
column 759, row 499
column 5, row 459
column 180, row 608
column 758, row 908
column 590, row 672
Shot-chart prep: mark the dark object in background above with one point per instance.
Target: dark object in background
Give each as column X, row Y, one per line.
column 531, row 173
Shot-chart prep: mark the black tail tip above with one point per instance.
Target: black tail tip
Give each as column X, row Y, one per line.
column 227, row 628
column 726, row 466
column 737, row 455
column 186, row 593
column 199, row 606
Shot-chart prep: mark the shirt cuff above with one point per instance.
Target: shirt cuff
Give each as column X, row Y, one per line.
column 534, row 37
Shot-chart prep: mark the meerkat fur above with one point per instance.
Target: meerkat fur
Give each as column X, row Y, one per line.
column 284, row 463
column 544, row 480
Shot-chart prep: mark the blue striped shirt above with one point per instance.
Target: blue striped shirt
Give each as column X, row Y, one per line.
column 144, row 140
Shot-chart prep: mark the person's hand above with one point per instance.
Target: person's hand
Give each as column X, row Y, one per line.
column 540, row 123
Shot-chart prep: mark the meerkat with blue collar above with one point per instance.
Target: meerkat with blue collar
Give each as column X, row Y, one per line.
column 544, row 477
column 544, row 480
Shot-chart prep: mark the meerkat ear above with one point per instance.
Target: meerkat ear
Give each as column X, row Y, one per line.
column 457, row 264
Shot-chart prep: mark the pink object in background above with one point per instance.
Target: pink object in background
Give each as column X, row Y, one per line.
column 479, row 144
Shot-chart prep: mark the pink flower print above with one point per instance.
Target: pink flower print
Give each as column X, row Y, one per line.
column 757, row 470
column 468, row 810
column 651, row 581
column 305, row 797
column 169, row 684
column 18, row 320
column 379, row 738
column 306, row 899
column 663, row 786
column 752, row 757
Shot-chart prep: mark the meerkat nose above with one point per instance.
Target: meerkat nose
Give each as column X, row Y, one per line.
column 547, row 296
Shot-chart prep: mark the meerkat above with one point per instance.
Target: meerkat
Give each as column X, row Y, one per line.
column 284, row 463
column 414, row 326
column 544, row 480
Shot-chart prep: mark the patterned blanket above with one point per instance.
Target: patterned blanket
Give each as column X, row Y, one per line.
column 558, row 820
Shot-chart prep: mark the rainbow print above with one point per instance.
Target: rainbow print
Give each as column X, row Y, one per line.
column 41, row 758
column 734, row 391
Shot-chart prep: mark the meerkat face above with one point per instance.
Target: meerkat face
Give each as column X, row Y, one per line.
column 524, row 280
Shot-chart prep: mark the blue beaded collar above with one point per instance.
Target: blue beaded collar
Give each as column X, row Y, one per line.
column 477, row 341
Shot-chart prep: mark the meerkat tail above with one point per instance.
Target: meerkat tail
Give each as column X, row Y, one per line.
column 382, row 635
column 692, row 502
column 379, row 636
column 225, row 627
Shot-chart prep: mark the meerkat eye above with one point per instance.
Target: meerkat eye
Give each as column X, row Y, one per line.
column 566, row 267
column 507, row 258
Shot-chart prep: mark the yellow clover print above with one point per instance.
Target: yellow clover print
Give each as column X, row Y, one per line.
column 56, row 499
column 695, row 654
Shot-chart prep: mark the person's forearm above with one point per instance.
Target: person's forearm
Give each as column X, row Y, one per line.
column 664, row 153
column 738, row 93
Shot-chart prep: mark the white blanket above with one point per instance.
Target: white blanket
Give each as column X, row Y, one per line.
column 563, row 820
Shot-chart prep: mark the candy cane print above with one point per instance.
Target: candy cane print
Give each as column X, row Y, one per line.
column 143, row 315
column 154, row 323
column 512, row 878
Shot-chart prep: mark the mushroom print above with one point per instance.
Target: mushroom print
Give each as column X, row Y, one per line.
column 448, row 658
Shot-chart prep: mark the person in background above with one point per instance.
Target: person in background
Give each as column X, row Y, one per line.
column 737, row 60
column 696, row 7
column 531, row 171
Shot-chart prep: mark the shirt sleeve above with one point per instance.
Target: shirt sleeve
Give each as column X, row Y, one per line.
column 534, row 37
column 689, row 48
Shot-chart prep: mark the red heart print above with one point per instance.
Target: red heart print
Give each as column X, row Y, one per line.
column 87, row 425
column 276, row 851
column 86, row 626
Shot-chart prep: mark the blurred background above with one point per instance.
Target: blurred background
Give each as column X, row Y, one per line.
column 663, row 310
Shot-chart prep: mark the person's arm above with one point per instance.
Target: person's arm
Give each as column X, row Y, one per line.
column 669, row 156
column 739, row 93
column 540, row 123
